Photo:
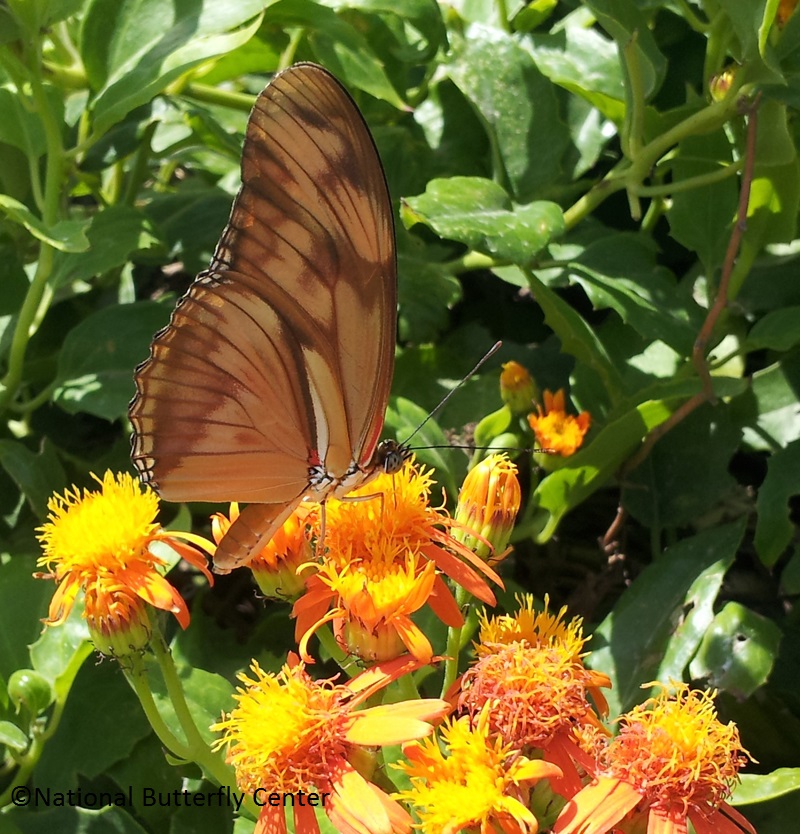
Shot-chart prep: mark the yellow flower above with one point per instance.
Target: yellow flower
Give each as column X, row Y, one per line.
column 557, row 431
column 530, row 675
column 379, row 567
column 673, row 760
column 100, row 542
column 289, row 733
column 478, row 783
column 275, row 566
column 517, row 388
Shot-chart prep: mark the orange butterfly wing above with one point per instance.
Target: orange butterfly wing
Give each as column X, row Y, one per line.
column 280, row 355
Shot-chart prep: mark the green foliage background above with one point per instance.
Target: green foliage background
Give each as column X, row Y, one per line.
column 564, row 181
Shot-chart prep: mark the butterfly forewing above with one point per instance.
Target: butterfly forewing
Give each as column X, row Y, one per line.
column 280, row 356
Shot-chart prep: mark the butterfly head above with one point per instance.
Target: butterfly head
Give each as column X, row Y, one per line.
column 389, row 457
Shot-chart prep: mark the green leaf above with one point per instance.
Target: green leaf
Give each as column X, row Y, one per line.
column 113, row 235
column 24, row 602
column 427, row 292
column 686, row 473
column 772, row 400
column 585, row 63
column 422, row 15
column 757, row 787
column 38, row 476
column 11, row 736
column 697, row 614
column 207, row 695
column 629, row 644
column 22, row 127
column 95, row 366
column 701, row 218
column 738, row 651
column 777, row 330
column 132, row 49
column 620, row 271
column 774, row 527
column 576, row 336
column 66, row 235
column 480, row 214
column 626, row 23
column 517, row 104
column 338, row 45
column 102, row 707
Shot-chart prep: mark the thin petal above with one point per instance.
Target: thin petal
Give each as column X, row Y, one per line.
column 444, row 605
column 597, row 808
column 396, row 723
column 381, row 674
column 536, row 769
column 190, row 554
column 271, row 821
column 413, row 638
column 305, row 820
column 459, row 572
column 63, row 600
column 725, row 820
column 357, row 807
column 660, row 821
column 559, row 753
column 155, row 590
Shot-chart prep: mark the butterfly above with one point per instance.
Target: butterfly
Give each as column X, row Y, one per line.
column 271, row 380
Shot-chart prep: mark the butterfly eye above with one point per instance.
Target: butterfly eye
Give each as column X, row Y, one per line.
column 272, row 378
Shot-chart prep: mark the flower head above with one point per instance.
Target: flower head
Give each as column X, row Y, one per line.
column 487, row 507
column 672, row 760
column 275, row 567
column 478, row 782
column 530, row 676
column 101, row 542
column 517, row 388
column 556, row 430
column 380, row 566
column 290, row 733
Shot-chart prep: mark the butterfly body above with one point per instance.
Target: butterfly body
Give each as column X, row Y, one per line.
column 271, row 380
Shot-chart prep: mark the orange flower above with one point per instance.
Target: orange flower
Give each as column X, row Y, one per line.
column 556, row 430
column 672, row 762
column 289, row 733
column 487, row 507
column 531, row 676
column 478, row 783
column 101, row 542
column 275, row 566
column 380, row 567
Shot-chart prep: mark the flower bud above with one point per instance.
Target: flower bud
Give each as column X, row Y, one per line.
column 517, row 388
column 487, row 507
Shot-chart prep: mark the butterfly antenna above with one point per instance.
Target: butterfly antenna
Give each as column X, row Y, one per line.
column 443, row 402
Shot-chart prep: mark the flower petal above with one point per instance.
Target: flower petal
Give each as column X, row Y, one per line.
column 597, row 808
column 661, row 821
column 63, row 600
column 271, row 821
column 460, row 573
column 724, row 820
column 396, row 723
column 444, row 605
column 358, row 807
column 413, row 638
